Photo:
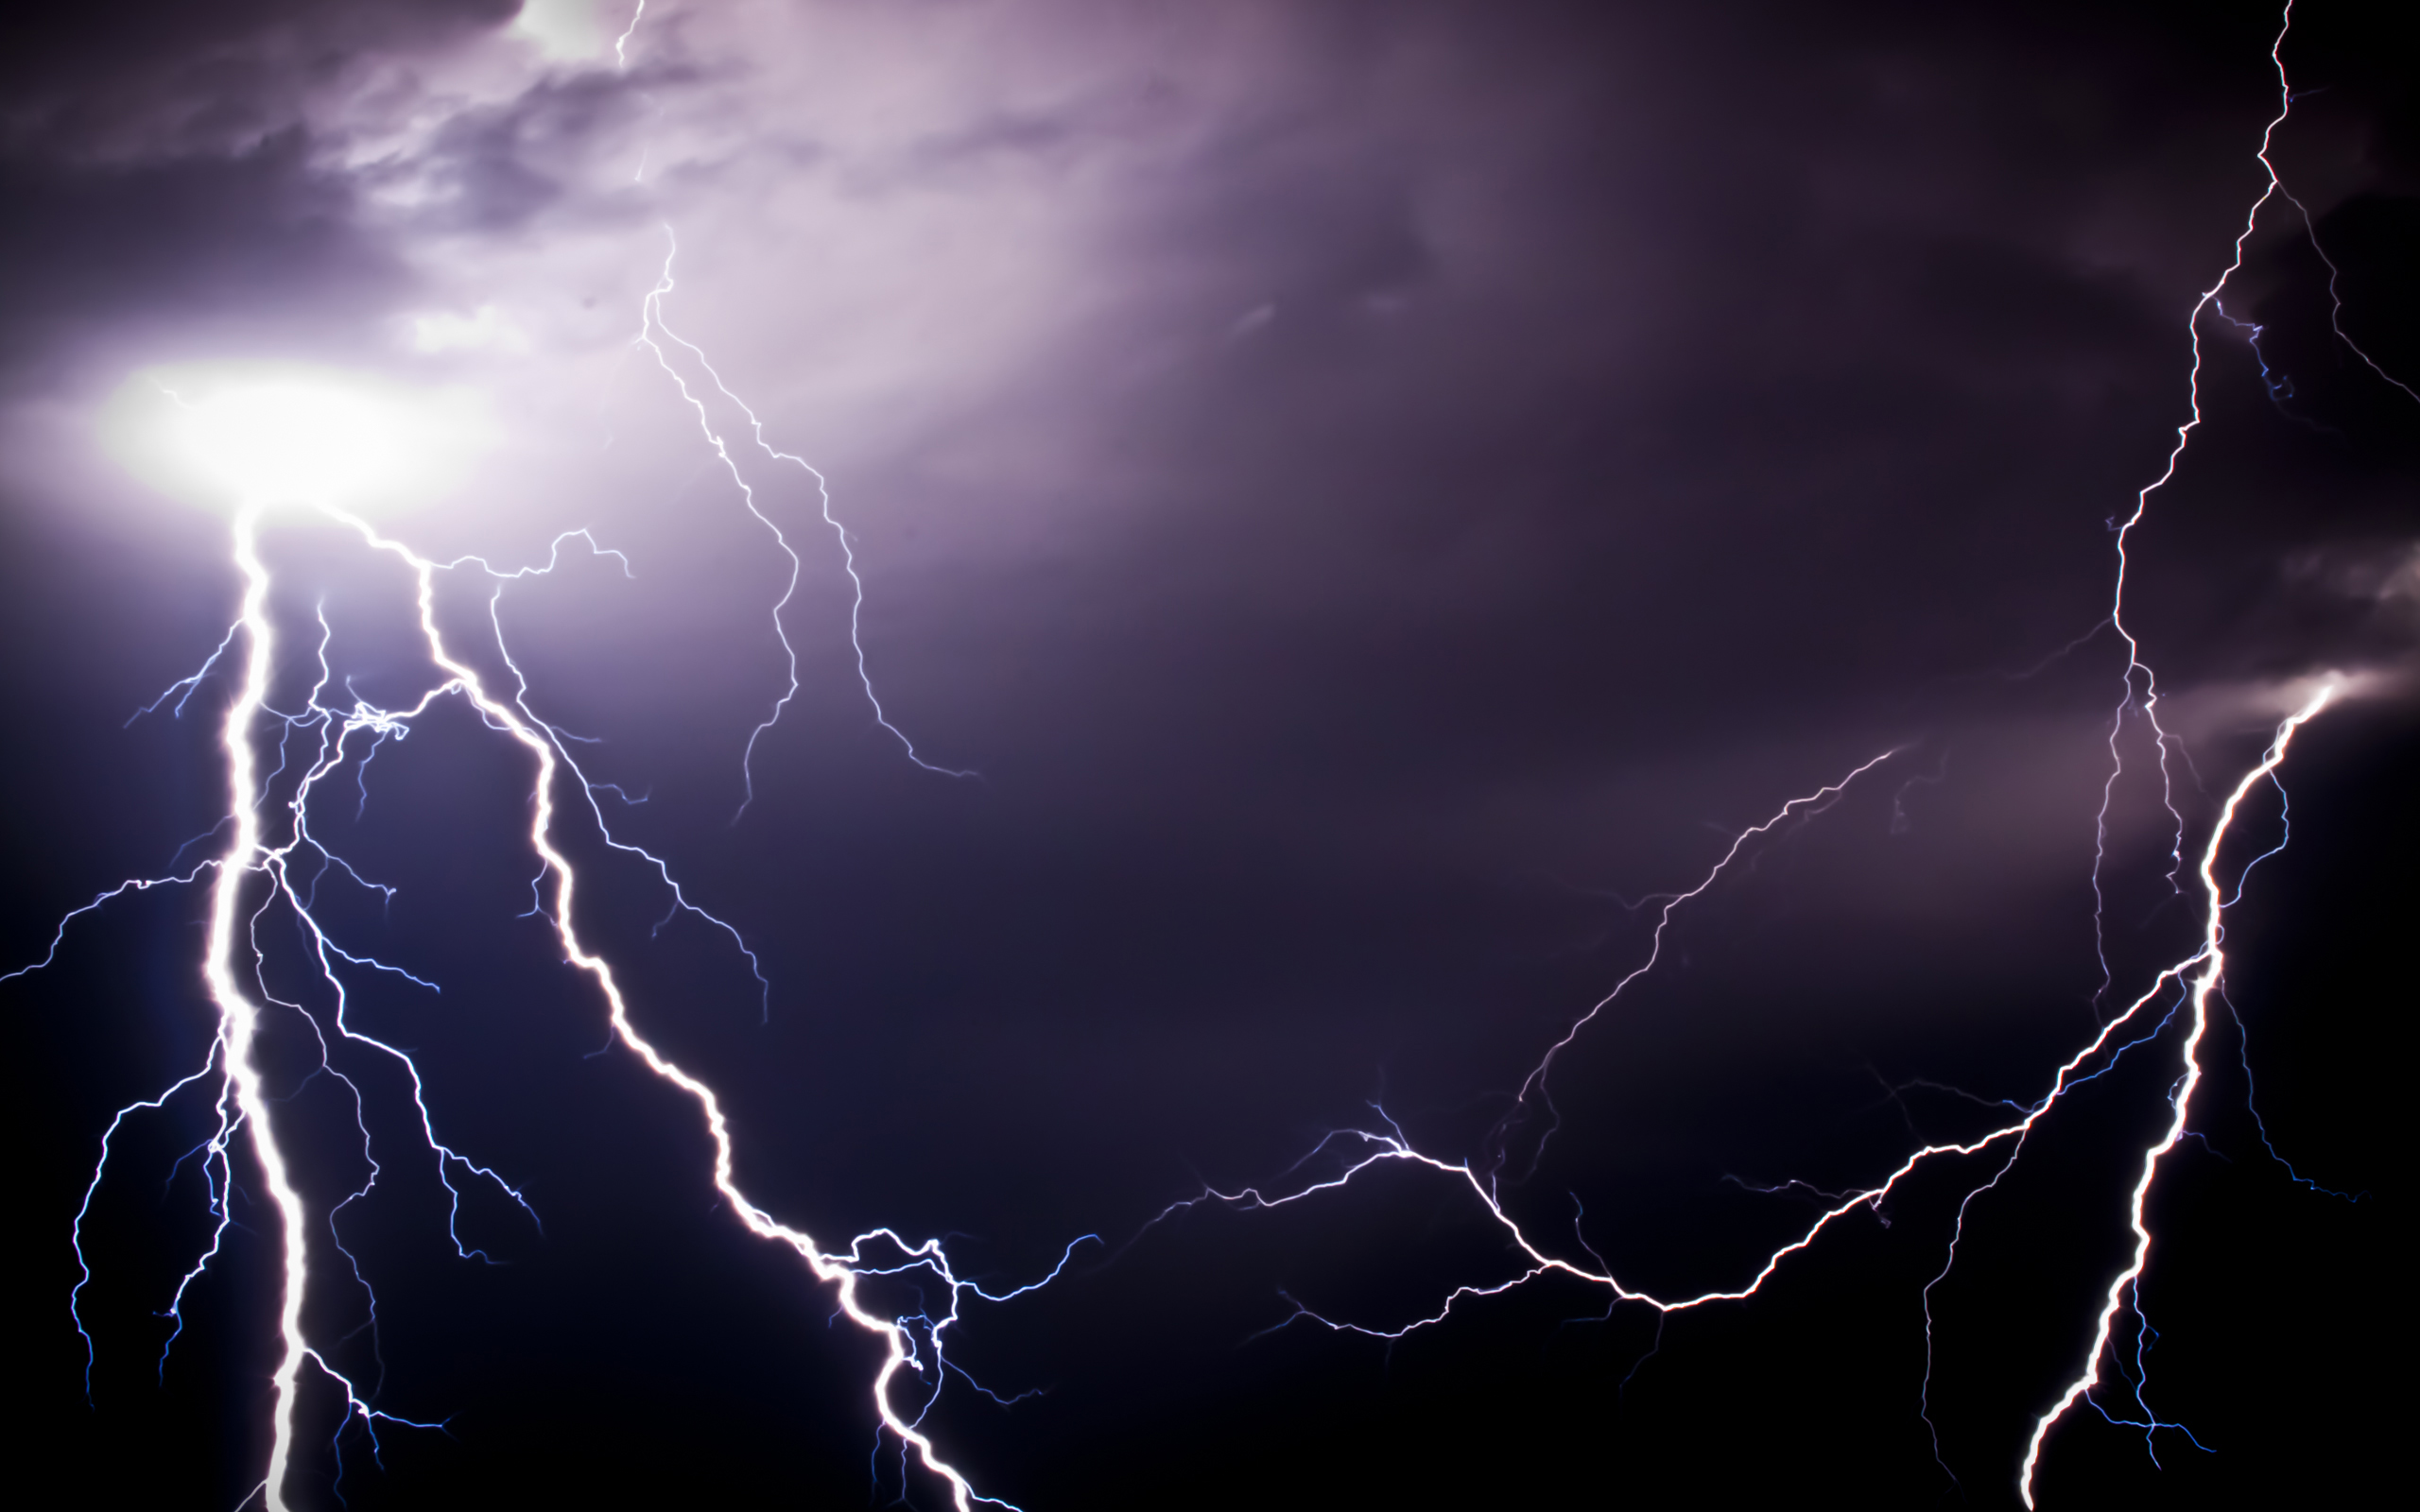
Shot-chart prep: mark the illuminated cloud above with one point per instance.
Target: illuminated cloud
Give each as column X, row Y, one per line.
column 280, row 434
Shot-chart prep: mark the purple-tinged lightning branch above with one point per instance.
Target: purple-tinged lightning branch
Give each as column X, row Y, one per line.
column 652, row 328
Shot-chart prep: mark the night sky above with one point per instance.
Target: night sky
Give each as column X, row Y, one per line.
column 1378, row 495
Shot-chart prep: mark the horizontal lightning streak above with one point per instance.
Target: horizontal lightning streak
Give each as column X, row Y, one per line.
column 2199, row 973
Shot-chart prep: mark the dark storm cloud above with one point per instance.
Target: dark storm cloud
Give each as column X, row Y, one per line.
column 163, row 182
column 105, row 264
column 1904, row 375
column 142, row 78
column 1527, row 407
column 487, row 173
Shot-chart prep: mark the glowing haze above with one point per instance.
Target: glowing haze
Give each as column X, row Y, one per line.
column 1042, row 753
column 260, row 434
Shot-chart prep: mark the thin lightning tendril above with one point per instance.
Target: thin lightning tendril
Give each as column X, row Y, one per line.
column 652, row 325
column 1535, row 1084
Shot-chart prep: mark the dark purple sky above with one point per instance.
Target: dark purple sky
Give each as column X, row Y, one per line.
column 1373, row 490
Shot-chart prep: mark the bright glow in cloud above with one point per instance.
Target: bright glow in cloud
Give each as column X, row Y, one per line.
column 484, row 329
column 251, row 434
column 563, row 30
column 288, row 440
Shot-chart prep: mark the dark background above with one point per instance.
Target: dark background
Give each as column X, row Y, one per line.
column 1514, row 449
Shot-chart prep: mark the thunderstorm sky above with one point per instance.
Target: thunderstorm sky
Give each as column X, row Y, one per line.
column 1374, row 492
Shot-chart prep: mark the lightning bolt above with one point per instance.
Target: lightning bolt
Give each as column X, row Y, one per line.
column 249, row 1117
column 2183, row 987
column 2204, row 969
column 651, row 326
column 250, row 1112
column 622, row 43
column 1363, row 1150
column 1534, row 1085
column 655, row 336
column 271, row 841
column 912, row 1343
